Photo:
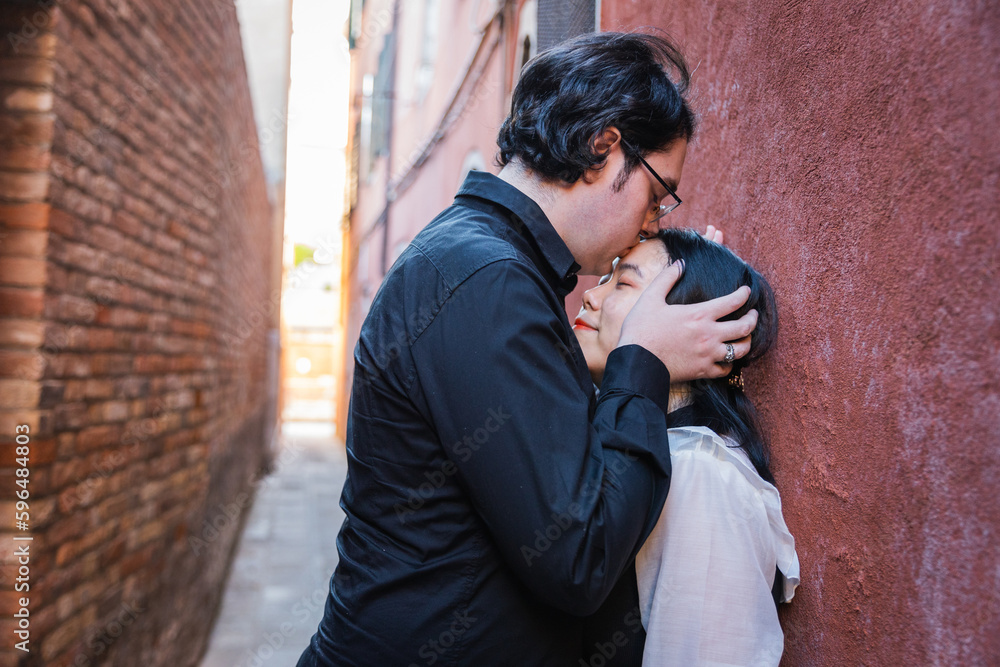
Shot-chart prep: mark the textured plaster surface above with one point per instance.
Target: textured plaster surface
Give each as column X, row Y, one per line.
column 850, row 151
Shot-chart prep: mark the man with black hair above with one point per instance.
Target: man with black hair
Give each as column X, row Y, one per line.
column 492, row 501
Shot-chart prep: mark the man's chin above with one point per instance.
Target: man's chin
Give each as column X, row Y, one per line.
column 603, row 269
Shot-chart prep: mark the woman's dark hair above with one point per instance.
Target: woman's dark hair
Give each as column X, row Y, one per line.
column 573, row 92
column 710, row 271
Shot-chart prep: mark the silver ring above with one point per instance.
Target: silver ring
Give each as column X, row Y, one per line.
column 730, row 354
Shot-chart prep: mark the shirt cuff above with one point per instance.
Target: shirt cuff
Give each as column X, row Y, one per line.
column 634, row 369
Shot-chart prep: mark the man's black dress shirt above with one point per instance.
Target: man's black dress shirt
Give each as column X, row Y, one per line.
column 492, row 501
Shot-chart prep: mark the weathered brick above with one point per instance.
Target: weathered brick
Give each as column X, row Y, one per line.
column 25, row 157
column 68, row 473
column 66, row 416
column 72, row 550
column 40, row 452
column 40, row 512
column 100, row 339
column 24, row 242
column 22, row 271
column 66, row 445
column 63, row 337
column 21, row 333
column 66, row 634
column 15, row 69
column 135, row 561
column 98, row 388
column 23, row 186
column 22, row 364
column 11, row 419
column 28, row 128
column 95, row 437
column 19, row 393
column 20, row 42
column 63, row 223
column 54, row 392
column 133, row 386
column 9, row 598
column 69, row 308
column 21, row 302
column 109, row 411
column 25, row 99
column 31, row 215
column 64, row 530
column 62, row 365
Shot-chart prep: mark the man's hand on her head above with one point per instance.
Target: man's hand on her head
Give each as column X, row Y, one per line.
column 688, row 339
column 713, row 234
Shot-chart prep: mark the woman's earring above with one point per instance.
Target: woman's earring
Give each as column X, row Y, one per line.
column 736, row 380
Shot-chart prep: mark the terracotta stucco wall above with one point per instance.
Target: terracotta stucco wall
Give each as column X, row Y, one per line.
column 850, row 151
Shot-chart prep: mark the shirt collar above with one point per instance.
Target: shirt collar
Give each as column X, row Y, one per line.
column 486, row 186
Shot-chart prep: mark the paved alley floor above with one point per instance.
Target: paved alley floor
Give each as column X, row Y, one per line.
column 278, row 584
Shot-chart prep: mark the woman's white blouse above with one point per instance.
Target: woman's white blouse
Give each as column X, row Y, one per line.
column 706, row 571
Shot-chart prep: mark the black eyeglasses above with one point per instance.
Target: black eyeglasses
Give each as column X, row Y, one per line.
column 664, row 208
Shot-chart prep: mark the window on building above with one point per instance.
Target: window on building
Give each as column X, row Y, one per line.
column 365, row 123
column 429, row 47
column 559, row 20
column 527, row 34
column 363, row 267
column 355, row 168
column 382, row 98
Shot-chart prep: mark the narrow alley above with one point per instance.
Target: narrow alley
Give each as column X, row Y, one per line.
column 277, row 587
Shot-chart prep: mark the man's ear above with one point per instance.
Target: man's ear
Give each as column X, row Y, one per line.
column 603, row 143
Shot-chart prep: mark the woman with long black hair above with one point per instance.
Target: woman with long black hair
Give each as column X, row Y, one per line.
column 720, row 557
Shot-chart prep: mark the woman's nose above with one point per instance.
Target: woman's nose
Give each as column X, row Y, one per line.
column 591, row 299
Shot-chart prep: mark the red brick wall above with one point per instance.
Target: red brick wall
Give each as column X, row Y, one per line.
column 134, row 293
